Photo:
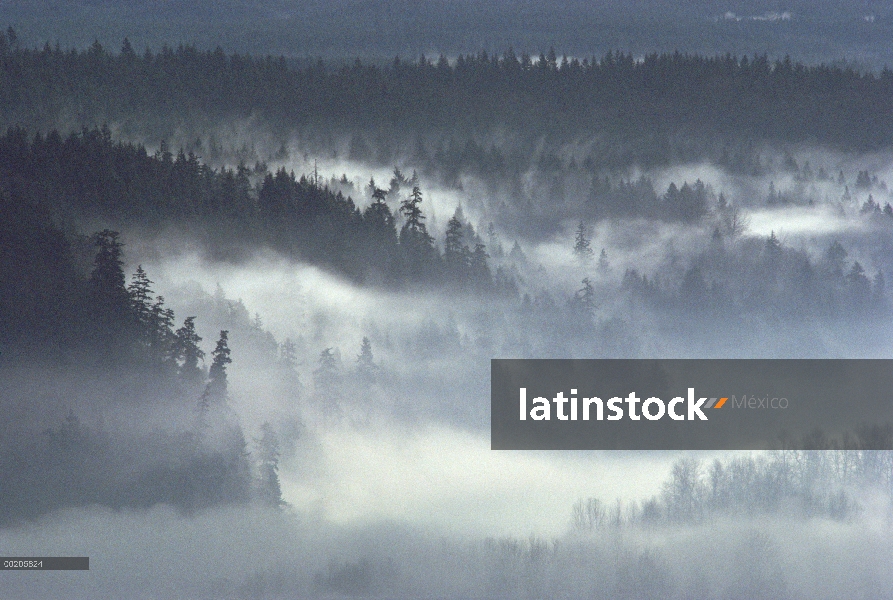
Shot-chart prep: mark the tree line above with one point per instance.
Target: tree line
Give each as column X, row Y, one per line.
column 87, row 175
column 647, row 102
column 805, row 483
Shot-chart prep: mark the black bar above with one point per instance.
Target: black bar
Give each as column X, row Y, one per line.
column 45, row 563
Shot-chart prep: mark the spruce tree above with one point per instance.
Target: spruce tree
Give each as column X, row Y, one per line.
column 582, row 245
column 110, row 302
column 187, row 351
column 417, row 245
column 366, row 367
column 269, row 491
column 215, row 393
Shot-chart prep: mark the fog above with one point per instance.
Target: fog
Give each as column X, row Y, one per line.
column 376, row 393
column 245, row 553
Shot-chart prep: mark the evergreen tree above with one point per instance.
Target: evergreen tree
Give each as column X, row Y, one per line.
column 216, row 389
column 220, row 357
column 288, row 356
column 604, row 267
column 417, row 245
column 479, row 270
column 327, row 381
column 859, row 285
column 414, row 228
column 140, row 291
column 366, row 367
column 269, row 491
column 834, row 258
column 773, row 247
column 288, row 361
column 494, row 243
column 187, row 351
column 455, row 255
column 397, row 182
column 878, row 290
column 162, row 339
column 584, row 299
column 582, row 245
column 328, row 371
column 382, row 231
column 110, row 301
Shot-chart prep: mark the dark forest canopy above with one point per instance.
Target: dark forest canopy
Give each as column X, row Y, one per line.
column 88, row 177
column 813, row 30
column 652, row 100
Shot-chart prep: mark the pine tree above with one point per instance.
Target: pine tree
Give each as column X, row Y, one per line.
column 110, row 301
column 878, row 289
column 418, row 246
column 456, row 260
column 604, row 267
column 859, row 284
column 107, row 278
column 582, row 245
column 288, row 356
column 494, row 243
column 162, row 340
column 216, row 389
column 140, row 292
column 397, row 182
column 220, row 357
column 288, row 361
column 186, row 350
column 773, row 247
column 480, row 272
column 584, row 299
column 269, row 491
column 411, row 210
column 366, row 367
column 380, row 224
column 835, row 256
column 328, row 372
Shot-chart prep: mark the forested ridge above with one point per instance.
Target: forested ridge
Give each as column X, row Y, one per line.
column 651, row 99
column 89, row 176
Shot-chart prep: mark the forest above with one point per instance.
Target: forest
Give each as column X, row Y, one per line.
column 663, row 107
column 236, row 290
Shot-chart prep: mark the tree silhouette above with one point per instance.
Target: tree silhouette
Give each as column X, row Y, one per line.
column 582, row 245
column 366, row 367
column 215, row 393
column 269, row 491
column 110, row 301
column 417, row 245
column 584, row 299
column 188, row 352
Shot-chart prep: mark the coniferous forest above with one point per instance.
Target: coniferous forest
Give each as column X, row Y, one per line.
column 248, row 305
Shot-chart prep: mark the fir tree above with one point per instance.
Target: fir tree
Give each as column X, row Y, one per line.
column 366, row 367
column 187, row 351
column 269, row 491
column 216, row 389
column 111, row 305
column 582, row 245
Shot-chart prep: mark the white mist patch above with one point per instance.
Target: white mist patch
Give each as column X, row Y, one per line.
column 294, row 299
column 709, row 174
column 799, row 221
column 450, row 481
